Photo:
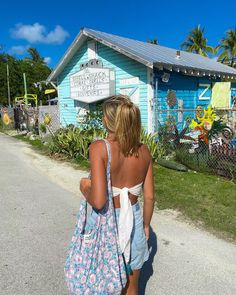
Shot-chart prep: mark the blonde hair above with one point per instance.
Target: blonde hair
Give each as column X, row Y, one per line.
column 123, row 119
column 109, row 110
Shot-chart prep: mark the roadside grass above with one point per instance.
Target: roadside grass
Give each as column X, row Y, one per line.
column 207, row 200
column 36, row 143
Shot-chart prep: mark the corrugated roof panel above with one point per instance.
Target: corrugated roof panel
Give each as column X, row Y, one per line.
column 146, row 53
column 162, row 55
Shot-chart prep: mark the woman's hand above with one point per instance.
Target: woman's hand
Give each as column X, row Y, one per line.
column 85, row 186
column 147, row 232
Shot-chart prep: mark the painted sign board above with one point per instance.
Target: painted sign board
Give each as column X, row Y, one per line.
column 92, row 84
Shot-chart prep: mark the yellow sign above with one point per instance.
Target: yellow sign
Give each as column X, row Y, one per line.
column 6, row 119
column 221, row 95
column 48, row 91
column 47, row 119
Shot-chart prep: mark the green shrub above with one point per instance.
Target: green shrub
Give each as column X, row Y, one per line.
column 73, row 142
column 156, row 148
column 43, row 128
column 195, row 161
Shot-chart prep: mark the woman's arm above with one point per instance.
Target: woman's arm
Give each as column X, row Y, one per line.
column 96, row 191
column 149, row 199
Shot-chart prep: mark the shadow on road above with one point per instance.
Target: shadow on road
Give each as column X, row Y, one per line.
column 147, row 270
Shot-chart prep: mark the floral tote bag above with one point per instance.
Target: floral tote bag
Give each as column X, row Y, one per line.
column 95, row 264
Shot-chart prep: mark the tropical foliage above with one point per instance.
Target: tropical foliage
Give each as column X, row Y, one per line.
column 34, row 56
column 156, row 148
column 73, row 142
column 35, row 69
column 227, row 47
column 196, row 42
column 153, row 41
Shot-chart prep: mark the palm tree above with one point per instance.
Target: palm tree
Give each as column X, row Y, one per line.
column 197, row 43
column 153, row 41
column 35, row 55
column 228, row 45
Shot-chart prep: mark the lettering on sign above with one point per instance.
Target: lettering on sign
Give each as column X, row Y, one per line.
column 92, row 84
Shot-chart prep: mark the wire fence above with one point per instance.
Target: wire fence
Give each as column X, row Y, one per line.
column 49, row 119
column 41, row 120
column 201, row 139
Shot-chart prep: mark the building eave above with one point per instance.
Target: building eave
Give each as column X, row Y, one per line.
column 67, row 56
column 84, row 34
column 190, row 71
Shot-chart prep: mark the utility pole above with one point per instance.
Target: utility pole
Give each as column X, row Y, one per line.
column 25, row 86
column 8, row 87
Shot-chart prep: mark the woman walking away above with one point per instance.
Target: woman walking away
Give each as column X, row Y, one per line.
column 131, row 175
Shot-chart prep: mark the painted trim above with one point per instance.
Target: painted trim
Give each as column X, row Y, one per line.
column 191, row 71
column 59, row 102
column 150, row 99
column 92, row 50
column 78, row 41
column 201, row 96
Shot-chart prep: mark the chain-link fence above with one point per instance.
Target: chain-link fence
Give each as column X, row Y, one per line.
column 49, row 119
column 41, row 120
column 7, row 118
column 19, row 118
column 201, row 139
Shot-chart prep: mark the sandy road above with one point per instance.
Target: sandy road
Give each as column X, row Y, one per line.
column 39, row 198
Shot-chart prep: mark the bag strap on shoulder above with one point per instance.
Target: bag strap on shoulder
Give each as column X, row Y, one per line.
column 108, row 156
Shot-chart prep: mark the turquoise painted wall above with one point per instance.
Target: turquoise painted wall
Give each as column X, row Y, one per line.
column 67, row 105
column 124, row 68
column 188, row 89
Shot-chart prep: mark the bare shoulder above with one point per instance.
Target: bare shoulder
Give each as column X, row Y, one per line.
column 97, row 148
column 145, row 150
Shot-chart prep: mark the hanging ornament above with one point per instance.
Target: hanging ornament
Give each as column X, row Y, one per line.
column 171, row 98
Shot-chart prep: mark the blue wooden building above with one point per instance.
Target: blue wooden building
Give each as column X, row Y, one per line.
column 158, row 79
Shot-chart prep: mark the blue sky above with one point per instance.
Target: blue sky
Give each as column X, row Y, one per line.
column 51, row 25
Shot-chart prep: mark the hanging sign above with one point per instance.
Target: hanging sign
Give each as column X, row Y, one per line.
column 92, row 84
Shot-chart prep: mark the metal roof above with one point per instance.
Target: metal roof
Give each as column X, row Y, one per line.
column 150, row 55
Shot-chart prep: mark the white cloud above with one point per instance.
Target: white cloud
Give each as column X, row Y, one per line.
column 19, row 49
column 57, row 36
column 38, row 33
column 47, row 59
